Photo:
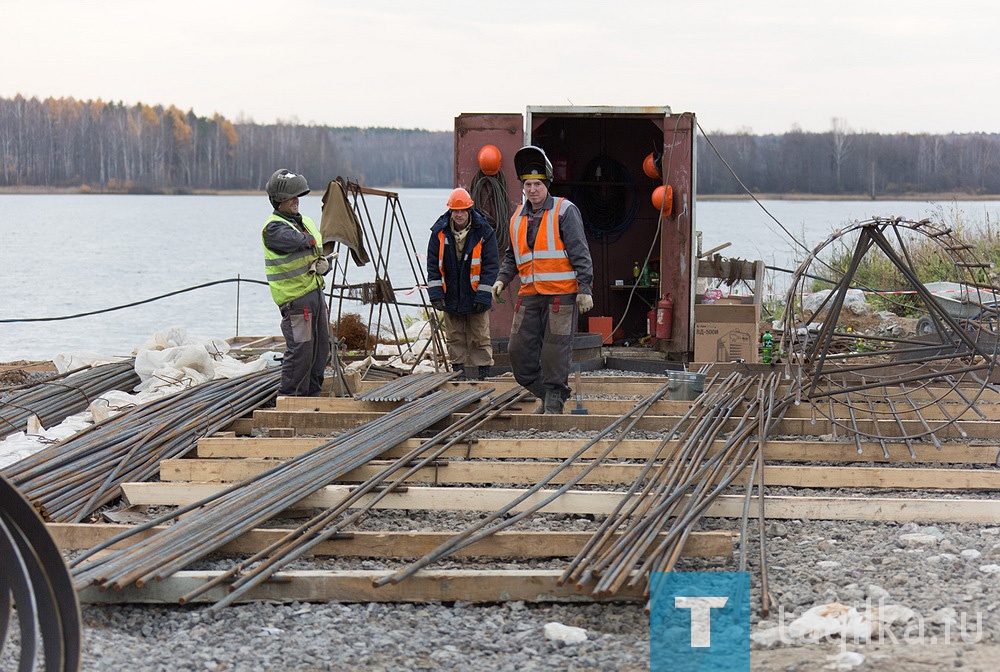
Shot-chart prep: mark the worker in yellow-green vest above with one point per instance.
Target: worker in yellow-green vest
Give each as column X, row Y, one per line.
column 295, row 266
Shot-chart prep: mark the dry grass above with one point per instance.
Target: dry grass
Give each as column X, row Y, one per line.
column 353, row 332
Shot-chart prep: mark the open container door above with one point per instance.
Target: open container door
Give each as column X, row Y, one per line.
column 598, row 156
column 495, row 195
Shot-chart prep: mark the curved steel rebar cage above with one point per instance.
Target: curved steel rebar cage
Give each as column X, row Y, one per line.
column 39, row 611
column 892, row 385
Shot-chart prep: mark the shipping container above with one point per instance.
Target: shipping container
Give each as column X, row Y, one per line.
column 609, row 161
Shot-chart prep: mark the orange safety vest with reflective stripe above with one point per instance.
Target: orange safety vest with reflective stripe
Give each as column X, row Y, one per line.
column 545, row 268
column 474, row 270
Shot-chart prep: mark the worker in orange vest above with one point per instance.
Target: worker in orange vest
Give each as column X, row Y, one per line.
column 549, row 254
column 462, row 264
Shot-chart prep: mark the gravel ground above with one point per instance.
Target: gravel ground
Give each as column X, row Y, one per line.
column 947, row 574
column 939, row 571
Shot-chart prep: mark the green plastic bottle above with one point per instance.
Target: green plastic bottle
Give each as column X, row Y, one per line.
column 768, row 349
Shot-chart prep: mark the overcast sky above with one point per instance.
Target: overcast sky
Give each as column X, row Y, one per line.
column 768, row 66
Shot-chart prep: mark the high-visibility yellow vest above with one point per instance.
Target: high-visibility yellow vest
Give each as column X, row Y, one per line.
column 546, row 268
column 288, row 274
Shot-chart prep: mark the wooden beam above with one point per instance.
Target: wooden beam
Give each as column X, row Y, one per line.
column 356, row 586
column 629, row 449
column 528, row 473
column 621, row 406
column 405, row 545
column 578, row 502
column 643, row 386
column 309, row 422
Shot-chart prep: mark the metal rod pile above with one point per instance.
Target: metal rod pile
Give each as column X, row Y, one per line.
column 217, row 520
column 71, row 480
column 407, row 388
column 631, row 542
column 500, row 519
column 55, row 399
column 321, row 527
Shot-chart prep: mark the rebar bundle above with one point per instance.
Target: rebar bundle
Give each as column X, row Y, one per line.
column 407, row 388
column 217, row 520
column 647, row 531
column 70, row 480
column 501, row 520
column 56, row 398
column 262, row 565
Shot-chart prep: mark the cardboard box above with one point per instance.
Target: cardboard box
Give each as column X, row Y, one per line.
column 602, row 326
column 734, row 301
column 724, row 333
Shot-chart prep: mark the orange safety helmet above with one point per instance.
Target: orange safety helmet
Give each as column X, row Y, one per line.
column 459, row 199
column 649, row 166
column 663, row 199
column 489, row 160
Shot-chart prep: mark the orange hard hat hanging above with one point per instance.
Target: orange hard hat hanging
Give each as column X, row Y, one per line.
column 459, row 199
column 649, row 166
column 663, row 199
column 489, row 159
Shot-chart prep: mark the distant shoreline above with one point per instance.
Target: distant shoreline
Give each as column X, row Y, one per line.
column 942, row 196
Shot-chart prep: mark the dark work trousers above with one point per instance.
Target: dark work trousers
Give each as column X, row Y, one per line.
column 541, row 342
column 306, row 328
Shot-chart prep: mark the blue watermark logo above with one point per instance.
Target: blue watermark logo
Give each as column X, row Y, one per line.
column 699, row 622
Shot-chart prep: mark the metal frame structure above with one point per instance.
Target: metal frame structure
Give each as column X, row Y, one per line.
column 850, row 377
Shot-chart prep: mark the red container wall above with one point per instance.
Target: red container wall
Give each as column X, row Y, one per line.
column 506, row 133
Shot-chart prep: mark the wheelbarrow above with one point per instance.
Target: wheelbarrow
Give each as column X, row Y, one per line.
column 962, row 303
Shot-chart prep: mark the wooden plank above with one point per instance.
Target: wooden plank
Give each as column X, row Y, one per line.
column 241, row 426
column 629, row 449
column 431, row 498
column 622, row 406
column 528, row 473
column 316, row 422
column 643, row 386
column 396, row 544
column 428, row 585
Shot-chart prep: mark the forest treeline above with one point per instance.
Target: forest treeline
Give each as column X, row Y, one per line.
column 108, row 146
column 102, row 146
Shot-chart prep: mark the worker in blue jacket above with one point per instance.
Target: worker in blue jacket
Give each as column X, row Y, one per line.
column 462, row 265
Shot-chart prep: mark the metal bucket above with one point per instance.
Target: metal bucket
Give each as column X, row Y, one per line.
column 684, row 385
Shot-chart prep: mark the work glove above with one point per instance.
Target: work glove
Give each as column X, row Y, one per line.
column 438, row 304
column 497, row 288
column 320, row 267
column 584, row 302
column 481, row 307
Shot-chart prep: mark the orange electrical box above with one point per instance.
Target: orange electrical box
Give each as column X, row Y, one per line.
column 602, row 326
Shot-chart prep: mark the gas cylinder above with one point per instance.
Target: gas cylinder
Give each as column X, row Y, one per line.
column 664, row 317
column 651, row 322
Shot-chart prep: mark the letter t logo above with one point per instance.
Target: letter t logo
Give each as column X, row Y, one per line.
column 701, row 617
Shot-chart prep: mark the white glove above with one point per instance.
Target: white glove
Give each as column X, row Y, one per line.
column 584, row 302
column 497, row 288
column 320, row 267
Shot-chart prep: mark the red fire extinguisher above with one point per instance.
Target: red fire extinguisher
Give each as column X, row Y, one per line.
column 664, row 317
column 651, row 322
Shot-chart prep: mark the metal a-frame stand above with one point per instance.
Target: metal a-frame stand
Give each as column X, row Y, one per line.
column 391, row 239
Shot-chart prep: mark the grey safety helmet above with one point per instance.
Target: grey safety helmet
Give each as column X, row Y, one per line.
column 531, row 163
column 283, row 185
